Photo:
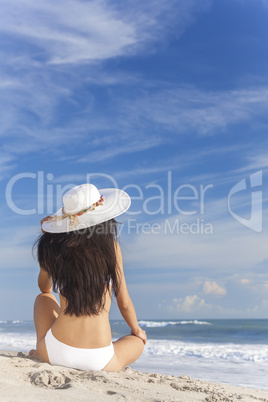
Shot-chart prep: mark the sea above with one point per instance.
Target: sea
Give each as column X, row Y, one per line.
column 226, row 351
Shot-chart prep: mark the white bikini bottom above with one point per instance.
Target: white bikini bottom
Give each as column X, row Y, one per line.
column 60, row 354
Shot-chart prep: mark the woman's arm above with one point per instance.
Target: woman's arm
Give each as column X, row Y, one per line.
column 124, row 301
column 44, row 282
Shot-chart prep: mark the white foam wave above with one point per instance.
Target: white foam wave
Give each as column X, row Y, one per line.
column 231, row 352
column 11, row 322
column 168, row 349
column 21, row 341
column 156, row 324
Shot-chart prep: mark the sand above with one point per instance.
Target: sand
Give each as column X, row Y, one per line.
column 26, row 378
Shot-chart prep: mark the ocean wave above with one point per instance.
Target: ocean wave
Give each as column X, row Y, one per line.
column 231, row 352
column 21, row 341
column 170, row 350
column 11, row 322
column 157, row 324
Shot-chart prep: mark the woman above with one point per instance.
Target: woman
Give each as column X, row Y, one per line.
column 78, row 255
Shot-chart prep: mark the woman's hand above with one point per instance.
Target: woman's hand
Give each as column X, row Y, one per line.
column 140, row 333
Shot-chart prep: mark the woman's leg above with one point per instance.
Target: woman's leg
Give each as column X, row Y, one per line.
column 126, row 351
column 46, row 311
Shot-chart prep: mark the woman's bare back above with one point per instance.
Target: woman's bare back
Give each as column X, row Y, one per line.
column 85, row 332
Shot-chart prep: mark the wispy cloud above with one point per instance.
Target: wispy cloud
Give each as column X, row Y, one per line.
column 255, row 161
column 74, row 31
column 6, row 164
column 68, row 31
column 128, row 148
column 183, row 109
column 249, row 160
column 46, row 105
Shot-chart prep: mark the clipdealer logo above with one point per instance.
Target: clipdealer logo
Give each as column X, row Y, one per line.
column 186, row 200
column 255, row 220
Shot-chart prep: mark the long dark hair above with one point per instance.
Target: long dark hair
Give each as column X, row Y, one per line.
column 81, row 263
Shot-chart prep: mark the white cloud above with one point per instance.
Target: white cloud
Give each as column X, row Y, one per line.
column 129, row 147
column 189, row 304
column 258, row 283
column 69, row 31
column 175, row 299
column 183, row 109
column 211, row 287
column 6, row 164
column 194, row 306
column 77, row 31
column 124, row 127
column 73, row 31
column 258, row 160
column 244, row 281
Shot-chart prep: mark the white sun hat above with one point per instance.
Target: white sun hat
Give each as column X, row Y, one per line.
column 85, row 206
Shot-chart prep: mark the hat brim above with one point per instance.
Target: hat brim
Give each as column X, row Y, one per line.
column 116, row 202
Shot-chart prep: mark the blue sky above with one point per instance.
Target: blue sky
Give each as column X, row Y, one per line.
column 164, row 99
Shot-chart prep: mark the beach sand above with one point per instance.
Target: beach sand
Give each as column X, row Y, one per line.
column 26, row 378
